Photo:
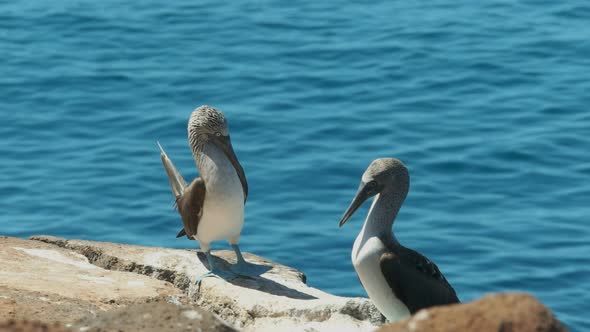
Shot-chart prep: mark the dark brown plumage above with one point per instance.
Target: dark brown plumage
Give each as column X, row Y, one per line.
column 190, row 207
column 415, row 280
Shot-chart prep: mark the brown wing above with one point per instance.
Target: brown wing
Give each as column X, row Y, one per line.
column 415, row 280
column 190, row 206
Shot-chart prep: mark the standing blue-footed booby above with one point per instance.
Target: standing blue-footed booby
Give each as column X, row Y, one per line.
column 212, row 206
column 399, row 280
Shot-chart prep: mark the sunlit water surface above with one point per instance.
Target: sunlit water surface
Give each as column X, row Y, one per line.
column 487, row 104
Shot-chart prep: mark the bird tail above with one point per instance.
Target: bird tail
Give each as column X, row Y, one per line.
column 177, row 183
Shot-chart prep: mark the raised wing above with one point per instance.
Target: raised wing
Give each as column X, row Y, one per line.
column 189, row 199
column 190, row 206
column 415, row 280
column 177, row 182
column 182, row 233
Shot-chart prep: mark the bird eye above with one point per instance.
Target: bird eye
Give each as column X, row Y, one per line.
column 372, row 184
column 217, row 134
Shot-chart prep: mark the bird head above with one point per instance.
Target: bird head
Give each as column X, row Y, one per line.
column 208, row 125
column 381, row 174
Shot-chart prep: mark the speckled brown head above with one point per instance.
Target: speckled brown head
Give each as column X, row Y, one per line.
column 382, row 174
column 207, row 124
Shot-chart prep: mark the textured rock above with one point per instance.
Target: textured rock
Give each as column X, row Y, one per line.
column 99, row 286
column 153, row 317
column 28, row 326
column 40, row 281
column 511, row 312
column 82, row 279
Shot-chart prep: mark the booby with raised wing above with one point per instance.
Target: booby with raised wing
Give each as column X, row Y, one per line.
column 212, row 206
column 399, row 280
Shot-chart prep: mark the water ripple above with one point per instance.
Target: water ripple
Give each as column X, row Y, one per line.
column 490, row 118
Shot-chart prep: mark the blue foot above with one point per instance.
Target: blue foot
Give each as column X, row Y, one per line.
column 217, row 273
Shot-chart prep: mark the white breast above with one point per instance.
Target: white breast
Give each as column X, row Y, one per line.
column 223, row 209
column 366, row 254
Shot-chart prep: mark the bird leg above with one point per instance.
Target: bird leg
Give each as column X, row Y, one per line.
column 243, row 268
column 241, row 260
column 214, row 271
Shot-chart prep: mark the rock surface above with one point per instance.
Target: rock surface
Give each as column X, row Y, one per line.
column 51, row 279
column 511, row 312
column 29, row 326
column 40, row 281
column 100, row 286
column 153, row 317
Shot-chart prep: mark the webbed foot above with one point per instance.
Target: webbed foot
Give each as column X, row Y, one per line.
column 216, row 273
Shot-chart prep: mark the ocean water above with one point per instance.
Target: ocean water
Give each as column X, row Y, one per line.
column 488, row 104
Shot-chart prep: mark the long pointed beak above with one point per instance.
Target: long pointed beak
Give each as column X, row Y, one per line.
column 361, row 196
column 224, row 143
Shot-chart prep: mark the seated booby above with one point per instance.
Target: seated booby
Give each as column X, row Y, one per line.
column 212, row 206
column 399, row 280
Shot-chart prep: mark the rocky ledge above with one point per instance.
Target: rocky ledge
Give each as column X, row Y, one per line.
column 86, row 284
column 54, row 284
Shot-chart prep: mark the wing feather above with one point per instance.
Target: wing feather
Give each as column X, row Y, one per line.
column 190, row 206
column 415, row 280
column 181, row 233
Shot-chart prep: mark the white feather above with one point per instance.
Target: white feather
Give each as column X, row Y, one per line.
column 366, row 253
column 223, row 209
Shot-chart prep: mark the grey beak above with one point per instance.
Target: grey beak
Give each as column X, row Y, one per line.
column 224, row 143
column 363, row 193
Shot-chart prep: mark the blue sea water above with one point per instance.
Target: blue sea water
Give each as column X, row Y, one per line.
column 487, row 103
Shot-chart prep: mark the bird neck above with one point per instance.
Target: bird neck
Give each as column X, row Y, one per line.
column 382, row 214
column 214, row 166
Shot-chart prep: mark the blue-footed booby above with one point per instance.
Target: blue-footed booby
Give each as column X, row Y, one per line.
column 212, row 206
column 399, row 280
